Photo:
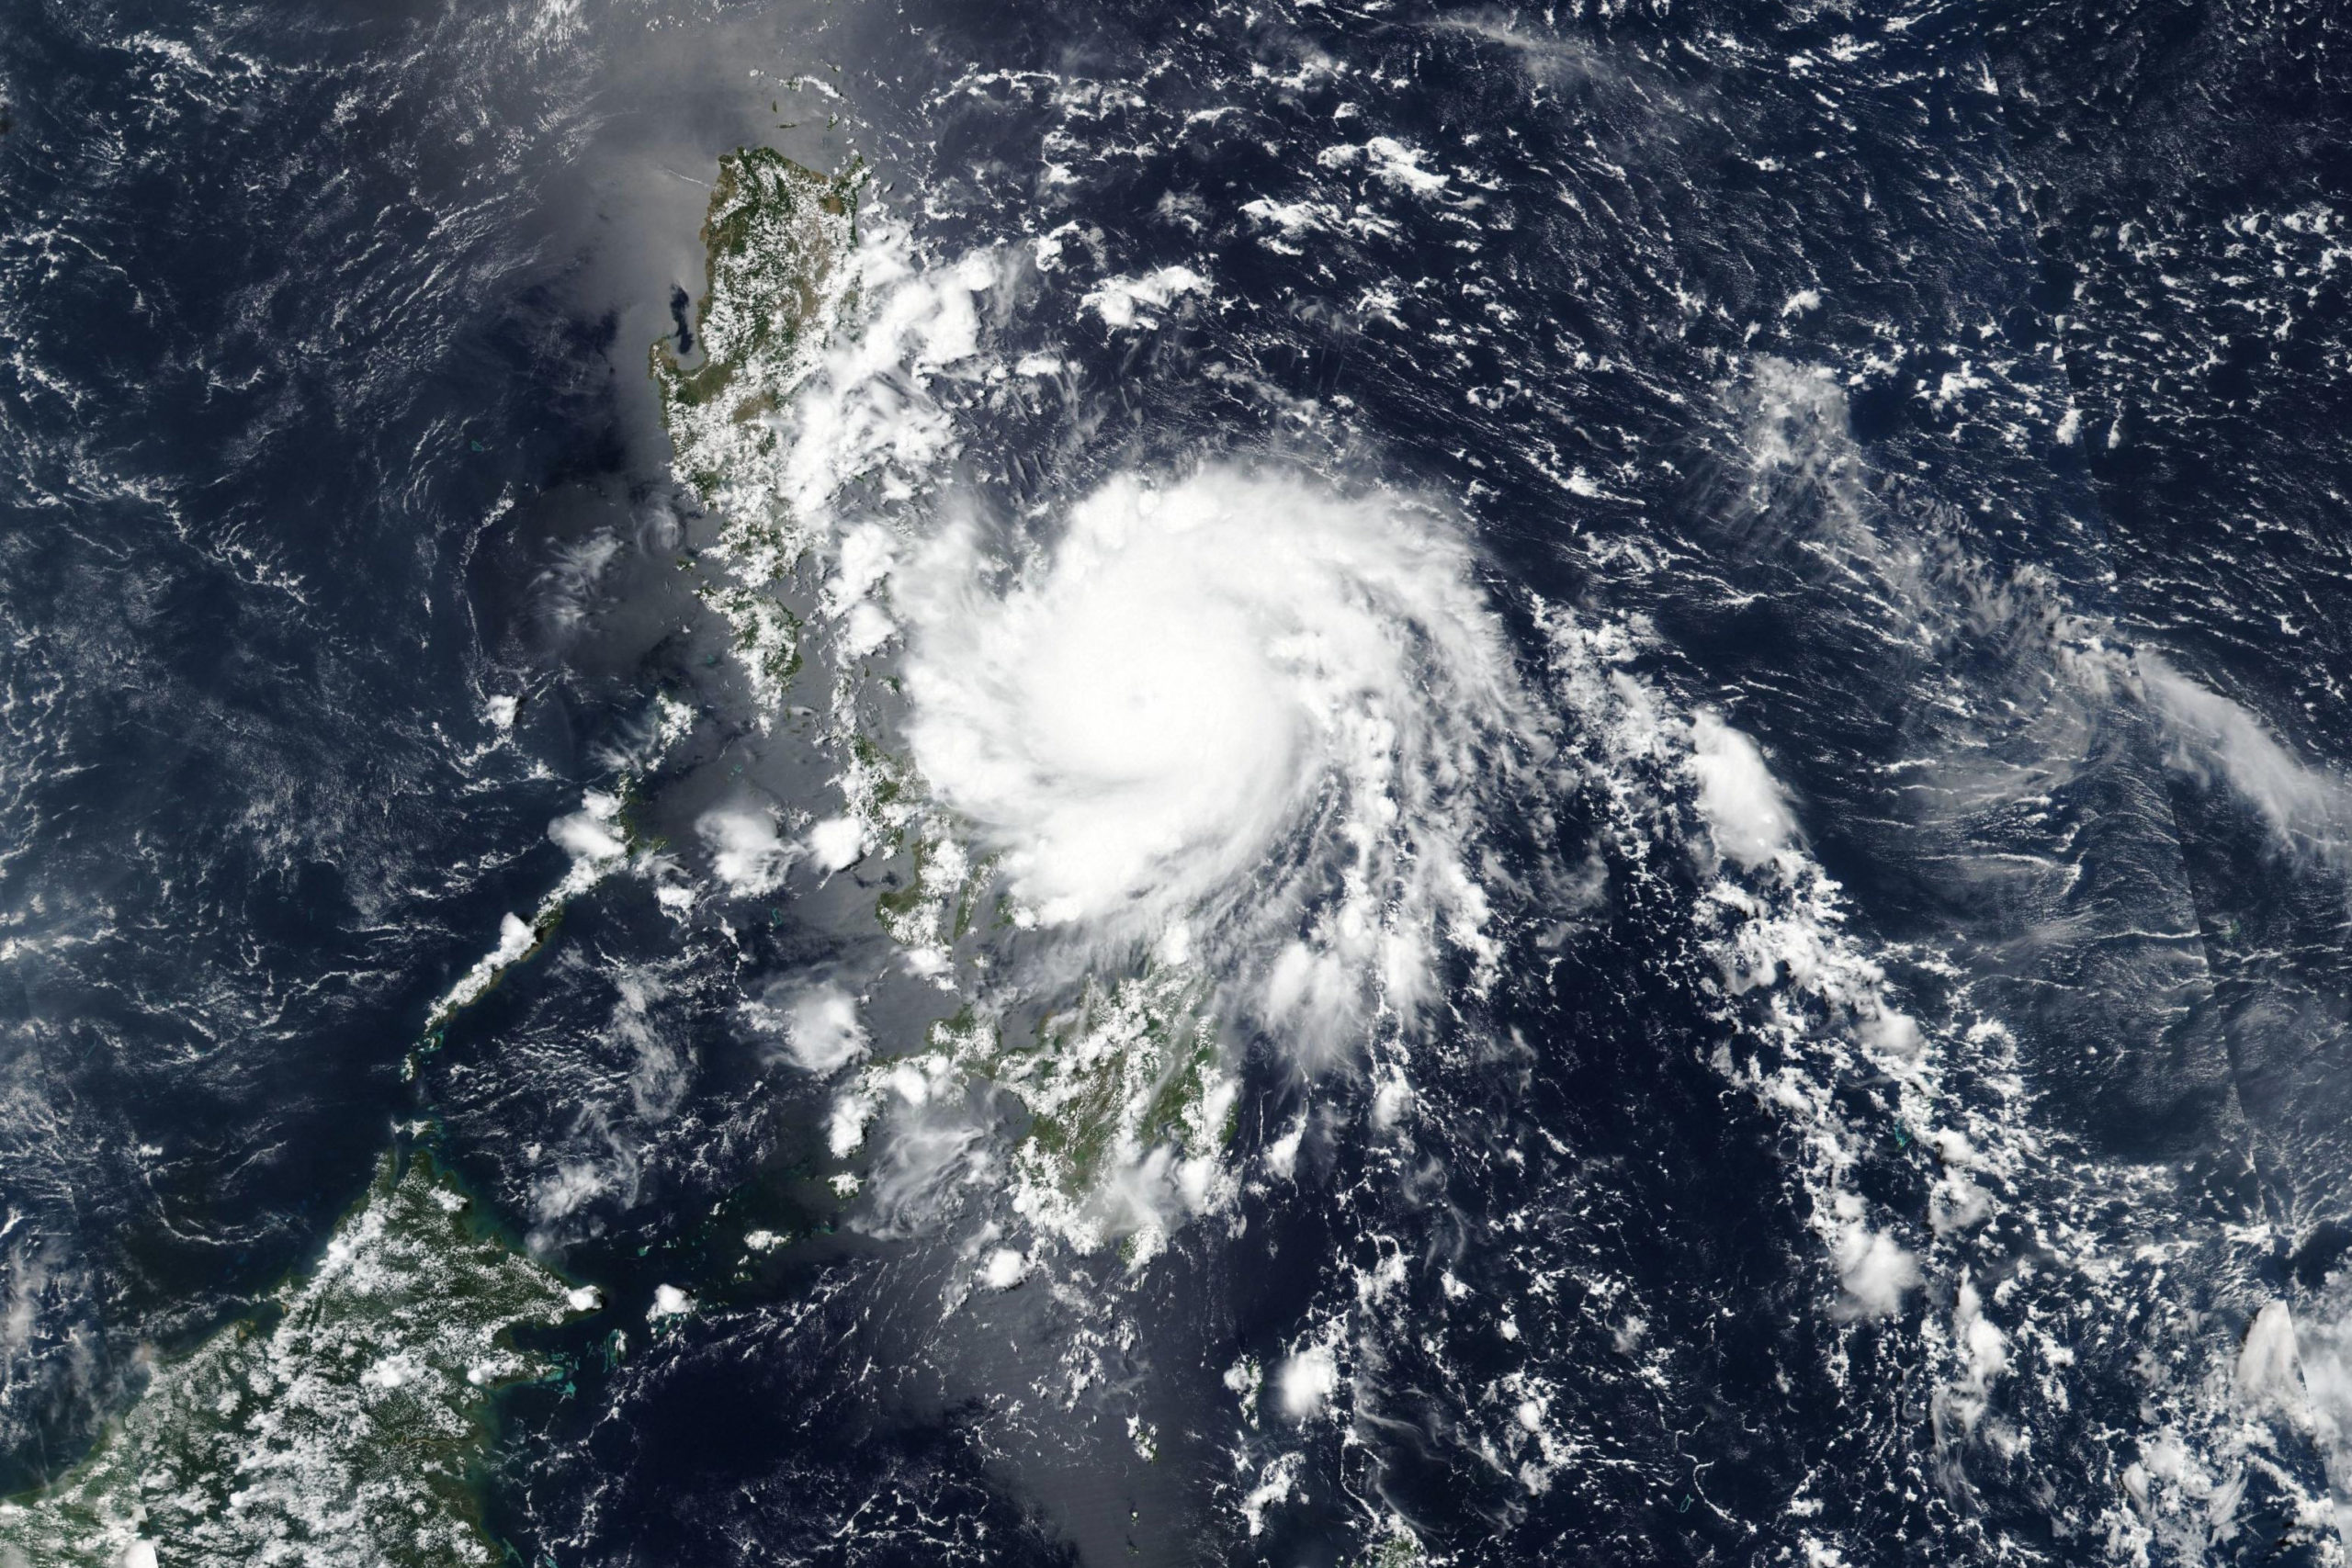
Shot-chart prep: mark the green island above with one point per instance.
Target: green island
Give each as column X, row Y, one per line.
column 777, row 281
column 1128, row 1072
column 345, row 1424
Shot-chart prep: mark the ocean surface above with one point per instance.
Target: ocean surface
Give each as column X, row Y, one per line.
column 1446, row 784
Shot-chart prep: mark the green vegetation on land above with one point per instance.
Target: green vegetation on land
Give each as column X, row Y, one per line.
column 345, row 1424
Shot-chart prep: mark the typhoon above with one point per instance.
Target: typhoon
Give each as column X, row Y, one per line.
column 1247, row 720
column 1396, row 786
column 1226, row 740
column 1219, row 744
column 1193, row 761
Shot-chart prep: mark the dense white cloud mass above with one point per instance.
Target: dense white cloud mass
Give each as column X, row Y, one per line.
column 822, row 1031
column 1746, row 810
column 1236, row 707
column 747, row 854
column 1307, row 1381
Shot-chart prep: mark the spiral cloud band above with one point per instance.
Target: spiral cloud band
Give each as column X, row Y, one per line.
column 1242, row 716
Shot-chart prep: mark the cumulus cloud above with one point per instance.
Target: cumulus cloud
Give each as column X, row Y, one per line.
column 866, row 409
column 1306, row 1383
column 822, row 1031
column 1877, row 1272
column 1129, row 301
column 747, row 854
column 837, row 842
column 591, row 836
column 1746, row 810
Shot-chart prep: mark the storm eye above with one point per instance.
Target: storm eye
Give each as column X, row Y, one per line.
column 1231, row 696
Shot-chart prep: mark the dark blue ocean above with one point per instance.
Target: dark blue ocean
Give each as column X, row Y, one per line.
column 1952, row 398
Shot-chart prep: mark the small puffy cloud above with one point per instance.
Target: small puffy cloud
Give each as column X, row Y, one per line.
column 1306, row 1383
column 1876, row 1272
column 821, row 1030
column 591, row 834
column 1744, row 806
column 747, row 854
column 1126, row 301
column 838, row 842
